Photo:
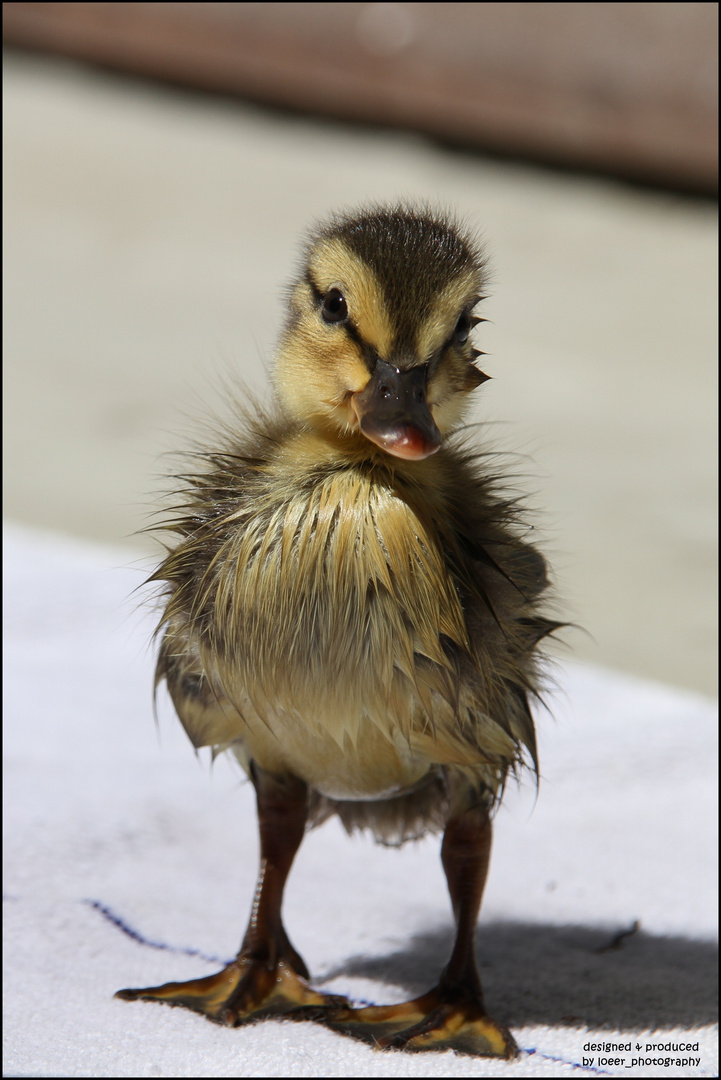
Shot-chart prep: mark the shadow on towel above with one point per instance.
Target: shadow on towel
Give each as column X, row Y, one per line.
column 551, row 975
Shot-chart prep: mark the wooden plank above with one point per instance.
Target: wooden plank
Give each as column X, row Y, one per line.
column 622, row 88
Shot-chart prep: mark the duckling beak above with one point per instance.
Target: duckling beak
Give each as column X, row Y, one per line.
column 393, row 412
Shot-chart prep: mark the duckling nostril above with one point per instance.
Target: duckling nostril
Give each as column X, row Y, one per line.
column 384, row 391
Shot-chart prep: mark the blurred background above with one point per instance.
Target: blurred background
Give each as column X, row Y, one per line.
column 162, row 162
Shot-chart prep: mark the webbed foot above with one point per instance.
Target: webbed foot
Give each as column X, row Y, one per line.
column 248, row 989
column 438, row 1020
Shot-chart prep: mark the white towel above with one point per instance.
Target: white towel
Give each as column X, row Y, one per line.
column 129, row 861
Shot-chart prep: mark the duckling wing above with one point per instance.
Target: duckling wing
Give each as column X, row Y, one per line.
column 205, row 712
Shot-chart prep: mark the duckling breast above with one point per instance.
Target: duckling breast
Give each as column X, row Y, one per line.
column 325, row 630
column 337, row 594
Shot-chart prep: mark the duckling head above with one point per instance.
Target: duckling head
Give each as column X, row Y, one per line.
column 377, row 346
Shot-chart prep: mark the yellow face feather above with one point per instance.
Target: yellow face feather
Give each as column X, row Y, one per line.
column 436, row 325
column 332, row 263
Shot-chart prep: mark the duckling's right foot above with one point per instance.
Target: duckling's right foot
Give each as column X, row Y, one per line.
column 248, row 989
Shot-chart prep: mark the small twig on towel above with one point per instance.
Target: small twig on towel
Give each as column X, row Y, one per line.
column 617, row 940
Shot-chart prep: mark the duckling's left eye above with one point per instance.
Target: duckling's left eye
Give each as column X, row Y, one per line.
column 462, row 330
column 334, row 307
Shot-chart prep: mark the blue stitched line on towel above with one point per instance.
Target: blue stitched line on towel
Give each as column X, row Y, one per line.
column 136, row 936
column 110, row 915
column 572, row 1064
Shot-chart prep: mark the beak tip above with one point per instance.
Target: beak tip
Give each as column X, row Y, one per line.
column 405, row 440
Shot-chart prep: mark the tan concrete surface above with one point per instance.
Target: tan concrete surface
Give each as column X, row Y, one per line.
column 148, row 235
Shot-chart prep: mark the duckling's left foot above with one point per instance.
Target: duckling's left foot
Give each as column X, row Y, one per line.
column 244, row 991
column 437, row 1020
column 452, row 1016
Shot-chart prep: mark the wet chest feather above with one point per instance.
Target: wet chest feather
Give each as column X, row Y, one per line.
column 345, row 579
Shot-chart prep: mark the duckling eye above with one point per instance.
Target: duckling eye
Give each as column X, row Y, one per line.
column 334, row 307
column 462, row 330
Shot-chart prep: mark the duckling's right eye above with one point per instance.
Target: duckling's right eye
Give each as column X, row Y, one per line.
column 334, row 307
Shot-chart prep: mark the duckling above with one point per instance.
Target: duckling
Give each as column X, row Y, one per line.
column 351, row 610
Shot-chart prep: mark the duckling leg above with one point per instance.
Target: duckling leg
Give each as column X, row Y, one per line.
column 451, row 1016
column 268, row 977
